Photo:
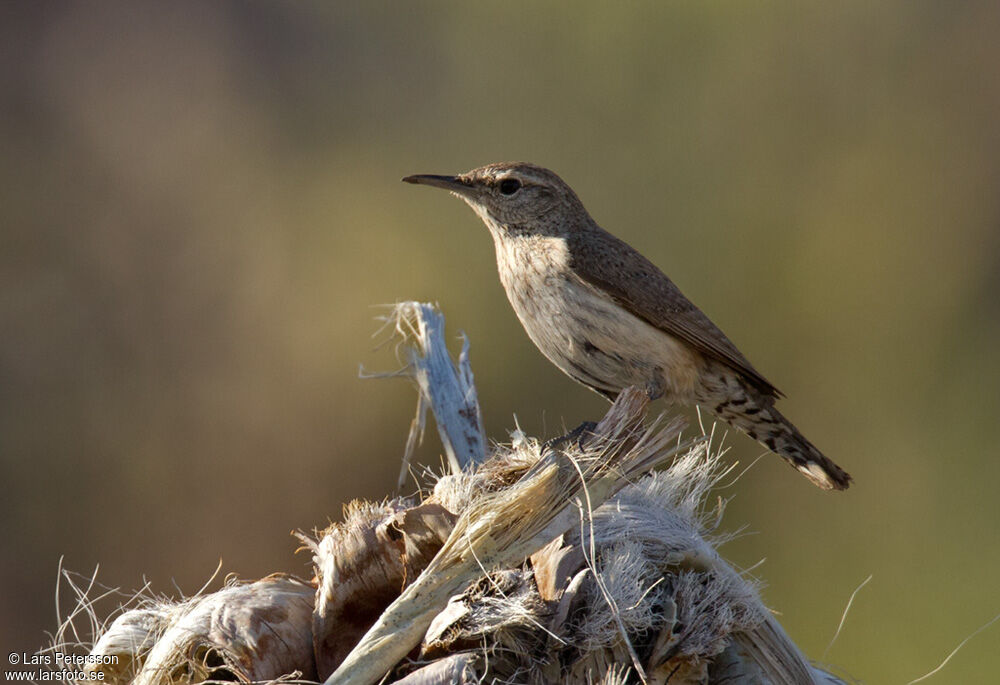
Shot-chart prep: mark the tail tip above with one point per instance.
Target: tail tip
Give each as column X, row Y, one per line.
column 825, row 477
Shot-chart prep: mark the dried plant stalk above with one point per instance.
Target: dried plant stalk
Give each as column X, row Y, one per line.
column 456, row 669
column 504, row 527
column 445, row 387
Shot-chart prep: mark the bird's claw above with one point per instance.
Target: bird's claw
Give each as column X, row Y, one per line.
column 581, row 433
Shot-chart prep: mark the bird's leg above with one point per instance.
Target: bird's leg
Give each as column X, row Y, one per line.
column 655, row 388
column 580, row 434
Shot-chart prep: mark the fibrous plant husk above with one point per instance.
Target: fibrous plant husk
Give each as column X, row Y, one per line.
column 363, row 563
column 642, row 574
column 576, row 562
column 639, row 574
column 246, row 632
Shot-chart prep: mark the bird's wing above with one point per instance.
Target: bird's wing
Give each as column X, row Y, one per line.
column 614, row 267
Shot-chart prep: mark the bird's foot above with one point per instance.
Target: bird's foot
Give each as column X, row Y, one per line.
column 581, row 433
column 655, row 389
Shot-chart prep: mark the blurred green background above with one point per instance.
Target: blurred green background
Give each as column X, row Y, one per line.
column 200, row 204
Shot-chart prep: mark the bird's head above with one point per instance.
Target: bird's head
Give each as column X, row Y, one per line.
column 512, row 196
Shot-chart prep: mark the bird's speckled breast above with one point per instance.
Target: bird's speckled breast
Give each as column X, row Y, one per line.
column 582, row 331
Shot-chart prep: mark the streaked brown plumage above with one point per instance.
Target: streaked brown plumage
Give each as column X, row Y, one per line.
column 609, row 318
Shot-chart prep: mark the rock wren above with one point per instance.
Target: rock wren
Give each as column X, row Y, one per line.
column 608, row 318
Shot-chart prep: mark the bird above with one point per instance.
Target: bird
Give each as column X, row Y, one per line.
column 609, row 318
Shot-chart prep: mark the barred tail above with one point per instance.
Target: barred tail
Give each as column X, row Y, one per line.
column 755, row 415
column 784, row 439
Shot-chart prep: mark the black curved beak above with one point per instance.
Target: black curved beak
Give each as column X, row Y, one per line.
column 453, row 183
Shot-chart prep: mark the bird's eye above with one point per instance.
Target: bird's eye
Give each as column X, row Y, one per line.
column 509, row 186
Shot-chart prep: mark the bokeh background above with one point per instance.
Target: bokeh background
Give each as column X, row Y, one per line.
column 200, row 205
